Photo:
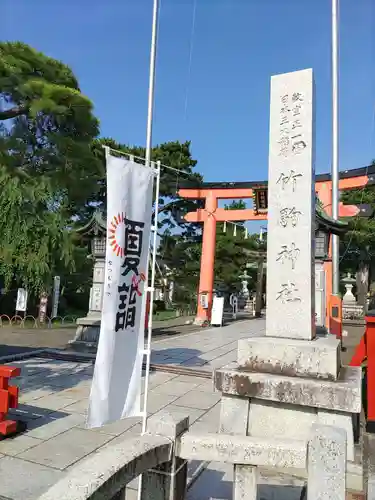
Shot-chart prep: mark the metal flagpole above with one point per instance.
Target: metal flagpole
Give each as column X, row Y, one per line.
column 150, row 112
column 335, row 149
column 151, row 86
column 148, row 164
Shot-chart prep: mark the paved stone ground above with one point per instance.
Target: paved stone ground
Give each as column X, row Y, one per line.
column 54, row 399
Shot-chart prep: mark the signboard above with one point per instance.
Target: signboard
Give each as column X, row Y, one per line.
column 21, row 304
column 217, row 311
column 116, row 386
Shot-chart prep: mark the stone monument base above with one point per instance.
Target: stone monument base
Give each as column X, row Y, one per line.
column 87, row 334
column 282, row 387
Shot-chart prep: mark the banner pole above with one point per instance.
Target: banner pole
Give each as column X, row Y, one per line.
column 151, row 87
column 151, row 289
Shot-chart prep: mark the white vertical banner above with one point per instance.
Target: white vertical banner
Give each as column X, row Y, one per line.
column 21, row 304
column 116, row 386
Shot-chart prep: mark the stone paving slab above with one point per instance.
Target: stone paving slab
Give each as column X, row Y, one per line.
column 15, row 446
column 53, row 425
column 198, row 399
column 65, row 449
column 206, row 349
column 20, row 480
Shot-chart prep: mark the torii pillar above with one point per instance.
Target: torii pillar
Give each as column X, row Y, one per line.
column 210, row 215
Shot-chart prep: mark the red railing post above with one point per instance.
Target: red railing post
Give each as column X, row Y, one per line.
column 365, row 351
column 370, row 348
column 8, row 399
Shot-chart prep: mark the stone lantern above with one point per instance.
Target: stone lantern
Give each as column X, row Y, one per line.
column 245, row 278
column 349, row 282
column 88, row 328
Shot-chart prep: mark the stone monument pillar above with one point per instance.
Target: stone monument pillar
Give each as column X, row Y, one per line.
column 287, row 381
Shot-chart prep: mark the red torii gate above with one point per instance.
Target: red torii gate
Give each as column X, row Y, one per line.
column 211, row 214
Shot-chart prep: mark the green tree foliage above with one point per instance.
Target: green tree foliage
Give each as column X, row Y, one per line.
column 361, row 235
column 47, row 167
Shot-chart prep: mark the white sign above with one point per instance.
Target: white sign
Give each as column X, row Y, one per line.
column 204, row 300
column 320, row 295
column 291, row 208
column 217, row 311
column 56, row 296
column 96, row 298
column 116, row 386
column 21, row 304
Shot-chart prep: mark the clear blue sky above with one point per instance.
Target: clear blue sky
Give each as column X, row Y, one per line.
column 237, row 46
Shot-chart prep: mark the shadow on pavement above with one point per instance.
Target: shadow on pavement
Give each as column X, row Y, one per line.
column 178, row 356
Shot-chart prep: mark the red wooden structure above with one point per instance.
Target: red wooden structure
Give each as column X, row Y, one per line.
column 365, row 351
column 8, row 399
column 211, row 214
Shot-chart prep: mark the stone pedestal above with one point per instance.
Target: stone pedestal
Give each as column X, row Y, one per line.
column 291, row 380
column 88, row 328
column 290, row 385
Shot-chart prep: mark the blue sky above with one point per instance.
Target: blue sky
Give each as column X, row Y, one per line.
column 223, row 105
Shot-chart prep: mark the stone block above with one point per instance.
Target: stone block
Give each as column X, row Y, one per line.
column 342, row 421
column 245, row 485
column 280, row 420
column 234, row 414
column 295, row 422
column 326, row 463
column 342, row 395
column 243, row 450
column 168, row 425
column 291, row 215
column 318, row 358
column 369, row 465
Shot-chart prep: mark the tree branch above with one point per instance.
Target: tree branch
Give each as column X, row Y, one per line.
column 13, row 112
